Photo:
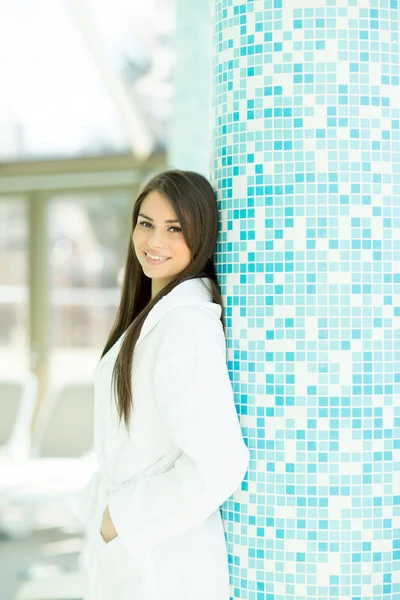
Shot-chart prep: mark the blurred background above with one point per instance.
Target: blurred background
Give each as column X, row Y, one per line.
column 95, row 98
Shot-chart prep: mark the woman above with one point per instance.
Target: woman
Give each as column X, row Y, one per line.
column 167, row 438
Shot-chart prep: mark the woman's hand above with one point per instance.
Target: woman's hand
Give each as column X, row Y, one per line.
column 107, row 530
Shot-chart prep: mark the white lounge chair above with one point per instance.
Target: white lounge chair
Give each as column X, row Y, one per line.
column 61, row 464
column 64, row 426
column 18, row 399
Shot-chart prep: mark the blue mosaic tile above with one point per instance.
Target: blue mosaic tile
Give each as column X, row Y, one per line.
column 306, row 164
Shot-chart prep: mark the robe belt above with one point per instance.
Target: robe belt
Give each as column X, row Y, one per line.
column 107, row 486
column 160, row 466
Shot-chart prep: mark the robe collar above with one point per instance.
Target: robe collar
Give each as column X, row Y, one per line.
column 192, row 292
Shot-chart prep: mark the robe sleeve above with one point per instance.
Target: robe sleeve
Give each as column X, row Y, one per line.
column 195, row 398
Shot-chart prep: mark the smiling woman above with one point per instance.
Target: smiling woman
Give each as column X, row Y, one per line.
column 163, row 477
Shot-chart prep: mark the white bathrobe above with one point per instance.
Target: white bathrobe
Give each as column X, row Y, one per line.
column 184, row 457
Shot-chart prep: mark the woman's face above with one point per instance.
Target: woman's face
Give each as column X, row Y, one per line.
column 155, row 235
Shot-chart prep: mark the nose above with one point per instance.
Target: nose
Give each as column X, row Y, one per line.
column 155, row 239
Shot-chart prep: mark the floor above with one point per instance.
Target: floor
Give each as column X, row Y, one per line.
column 44, row 551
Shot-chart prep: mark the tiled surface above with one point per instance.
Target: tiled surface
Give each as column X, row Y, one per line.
column 306, row 161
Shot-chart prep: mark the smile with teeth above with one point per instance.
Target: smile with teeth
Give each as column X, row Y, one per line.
column 159, row 258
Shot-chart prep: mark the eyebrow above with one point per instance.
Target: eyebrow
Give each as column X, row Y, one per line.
column 169, row 221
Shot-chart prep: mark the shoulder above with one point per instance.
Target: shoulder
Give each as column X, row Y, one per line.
column 188, row 329
column 191, row 314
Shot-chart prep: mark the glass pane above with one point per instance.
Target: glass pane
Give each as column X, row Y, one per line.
column 14, row 353
column 89, row 235
column 74, row 105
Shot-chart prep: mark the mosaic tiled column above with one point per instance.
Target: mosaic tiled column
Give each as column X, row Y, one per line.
column 306, row 163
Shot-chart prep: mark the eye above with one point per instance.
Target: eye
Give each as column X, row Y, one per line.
column 147, row 223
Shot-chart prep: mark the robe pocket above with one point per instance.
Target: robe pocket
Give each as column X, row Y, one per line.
column 112, row 556
column 119, row 570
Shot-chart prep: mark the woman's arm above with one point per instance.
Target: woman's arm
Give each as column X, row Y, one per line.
column 196, row 401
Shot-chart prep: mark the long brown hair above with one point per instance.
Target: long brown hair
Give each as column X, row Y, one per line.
column 194, row 202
